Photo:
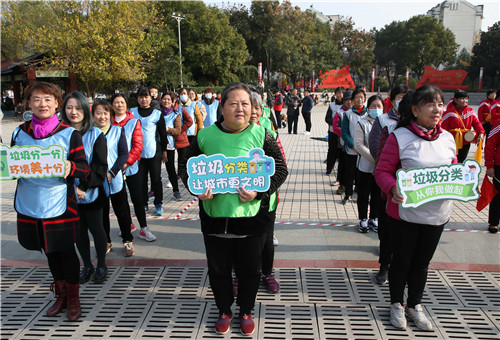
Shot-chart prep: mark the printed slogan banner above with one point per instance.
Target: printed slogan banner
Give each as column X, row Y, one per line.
column 448, row 182
column 226, row 174
column 31, row 162
column 451, row 79
column 335, row 78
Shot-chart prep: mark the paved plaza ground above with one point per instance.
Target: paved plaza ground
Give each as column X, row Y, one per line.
column 324, row 265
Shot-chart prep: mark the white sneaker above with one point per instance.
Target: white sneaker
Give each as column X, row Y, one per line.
column 169, row 185
column 419, row 318
column 275, row 241
column 133, row 228
column 306, row 133
column 145, row 234
column 363, row 226
column 398, row 318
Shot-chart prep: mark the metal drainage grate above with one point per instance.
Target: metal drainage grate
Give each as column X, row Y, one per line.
column 438, row 291
column 132, row 283
column 463, row 323
column 91, row 290
column 365, row 289
column 326, row 285
column 207, row 327
column 475, row 289
column 16, row 315
column 388, row 331
column 294, row 321
column 346, row 322
column 172, row 320
column 10, row 276
column 494, row 315
column 100, row 319
column 180, row 283
column 34, row 285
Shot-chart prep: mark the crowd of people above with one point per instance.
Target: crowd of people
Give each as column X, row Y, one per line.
column 372, row 139
column 110, row 147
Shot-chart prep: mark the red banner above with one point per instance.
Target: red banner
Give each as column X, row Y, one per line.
column 335, row 78
column 447, row 80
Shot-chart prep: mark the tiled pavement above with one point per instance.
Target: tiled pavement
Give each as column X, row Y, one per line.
column 163, row 290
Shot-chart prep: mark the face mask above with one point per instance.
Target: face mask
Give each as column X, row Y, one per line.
column 184, row 98
column 208, row 96
column 397, row 105
column 375, row 112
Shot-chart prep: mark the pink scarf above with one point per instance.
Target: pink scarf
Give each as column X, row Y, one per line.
column 42, row 128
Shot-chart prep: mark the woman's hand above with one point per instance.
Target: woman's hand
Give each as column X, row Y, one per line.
column 396, row 196
column 207, row 195
column 80, row 193
column 67, row 170
column 245, row 195
column 479, row 138
column 490, row 172
column 164, row 158
column 125, row 166
column 109, row 176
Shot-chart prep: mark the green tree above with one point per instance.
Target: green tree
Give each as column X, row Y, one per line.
column 414, row 43
column 212, row 51
column 485, row 54
column 102, row 42
column 356, row 46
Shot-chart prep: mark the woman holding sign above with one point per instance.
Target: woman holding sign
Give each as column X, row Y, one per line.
column 47, row 214
column 417, row 142
column 234, row 225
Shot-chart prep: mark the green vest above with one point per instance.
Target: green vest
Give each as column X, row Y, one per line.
column 266, row 112
column 266, row 123
column 212, row 140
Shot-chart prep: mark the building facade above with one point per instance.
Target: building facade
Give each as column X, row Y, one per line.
column 462, row 18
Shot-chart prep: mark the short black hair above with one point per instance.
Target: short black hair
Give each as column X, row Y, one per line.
column 143, row 92
column 490, row 91
column 116, row 95
column 460, row 94
column 398, row 89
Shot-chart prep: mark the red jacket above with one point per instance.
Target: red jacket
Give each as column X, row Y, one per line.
column 492, row 149
column 135, row 152
column 181, row 141
column 451, row 122
column 278, row 102
column 495, row 112
column 484, row 111
column 387, row 104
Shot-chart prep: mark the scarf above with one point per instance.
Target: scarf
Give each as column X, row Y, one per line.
column 425, row 133
column 358, row 112
column 167, row 112
column 43, row 127
column 105, row 128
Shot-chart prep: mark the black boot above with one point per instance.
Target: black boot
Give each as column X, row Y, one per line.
column 382, row 275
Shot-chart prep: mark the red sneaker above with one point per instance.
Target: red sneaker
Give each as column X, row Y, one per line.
column 247, row 326
column 223, row 323
column 271, row 284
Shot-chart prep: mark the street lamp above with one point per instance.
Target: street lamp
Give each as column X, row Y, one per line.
column 179, row 17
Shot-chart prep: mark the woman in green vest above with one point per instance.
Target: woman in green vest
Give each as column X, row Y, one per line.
column 234, row 226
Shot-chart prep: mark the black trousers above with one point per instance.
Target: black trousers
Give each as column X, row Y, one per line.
column 293, row 121
column 349, row 173
column 487, row 128
column 91, row 220
column 413, row 246
column 278, row 118
column 172, row 175
column 494, row 214
column 122, row 212
column 268, row 250
column 180, row 155
column 333, row 152
column 385, row 251
column 134, row 185
column 368, row 191
column 462, row 153
column 307, row 120
column 64, row 265
column 151, row 166
column 341, row 166
column 246, row 255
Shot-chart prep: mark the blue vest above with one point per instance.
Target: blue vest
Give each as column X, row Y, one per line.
column 190, row 109
column 129, row 129
column 112, row 140
column 42, row 197
column 88, row 143
column 169, row 122
column 148, row 132
column 211, row 117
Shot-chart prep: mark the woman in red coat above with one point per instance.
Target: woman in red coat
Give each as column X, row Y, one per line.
column 460, row 119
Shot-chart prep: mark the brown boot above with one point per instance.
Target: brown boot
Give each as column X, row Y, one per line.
column 74, row 310
column 59, row 290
